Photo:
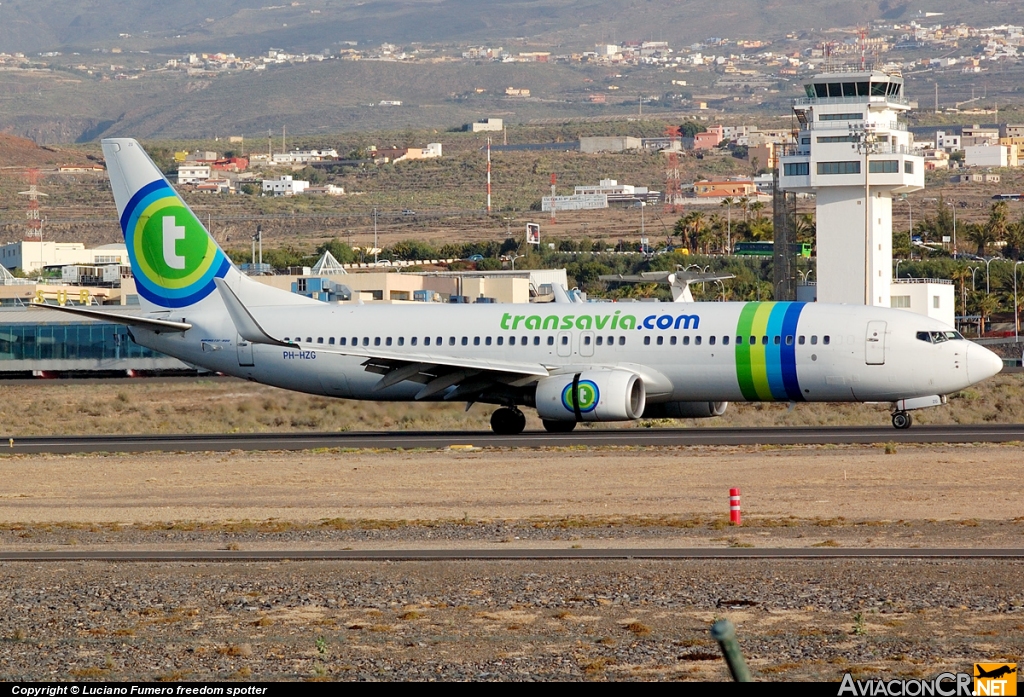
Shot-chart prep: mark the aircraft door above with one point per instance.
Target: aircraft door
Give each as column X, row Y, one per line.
column 874, row 352
column 587, row 344
column 564, row 344
column 244, row 351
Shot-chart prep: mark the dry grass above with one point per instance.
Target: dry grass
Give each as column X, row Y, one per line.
column 234, row 406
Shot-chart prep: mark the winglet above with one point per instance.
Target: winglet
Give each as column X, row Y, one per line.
column 247, row 326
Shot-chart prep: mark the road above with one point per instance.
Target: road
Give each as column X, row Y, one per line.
column 982, row 433
column 509, row 554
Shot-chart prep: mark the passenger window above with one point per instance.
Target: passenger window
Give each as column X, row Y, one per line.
column 319, row 340
column 661, row 340
column 565, row 340
column 341, row 341
column 287, row 339
column 309, row 340
column 622, row 341
column 376, row 341
column 451, row 341
column 501, row 340
column 814, row 340
column 696, row 341
column 826, row 339
column 465, row 341
column 387, row 341
column 439, row 340
column 725, row 341
column 686, row 341
column 611, row 341
column 647, row 341
column 536, row 341
column 511, row 341
column 551, row 341
column 401, row 341
column 487, row 341
column 711, row 340
column 600, row 341
column 426, row 341
column 586, row 340
column 331, row 341
column 777, row 340
column 739, row 341
column 366, row 341
column 801, row 340
column 789, row 340
column 753, row 340
column 412, row 341
column 672, row 341
column 476, row 341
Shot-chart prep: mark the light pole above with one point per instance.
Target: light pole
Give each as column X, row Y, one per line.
column 952, row 204
column 910, row 208
column 805, row 276
column 973, row 269
column 987, row 262
column 723, row 289
column 867, row 145
column 898, row 262
column 1016, row 317
column 375, row 236
column 700, row 269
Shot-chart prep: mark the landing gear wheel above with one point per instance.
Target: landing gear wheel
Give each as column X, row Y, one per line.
column 558, row 426
column 902, row 420
column 508, row 421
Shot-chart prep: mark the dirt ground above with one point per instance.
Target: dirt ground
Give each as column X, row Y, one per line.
column 855, row 482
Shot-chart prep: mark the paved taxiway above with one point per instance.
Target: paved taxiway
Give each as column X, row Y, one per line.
column 976, row 433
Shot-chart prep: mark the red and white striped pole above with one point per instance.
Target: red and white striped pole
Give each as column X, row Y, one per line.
column 734, row 507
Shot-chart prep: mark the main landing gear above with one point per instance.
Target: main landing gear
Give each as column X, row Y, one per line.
column 508, row 421
column 902, row 420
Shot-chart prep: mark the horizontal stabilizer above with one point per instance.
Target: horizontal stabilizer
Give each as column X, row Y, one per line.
column 129, row 320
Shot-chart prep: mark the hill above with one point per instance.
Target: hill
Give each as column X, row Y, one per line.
column 253, row 26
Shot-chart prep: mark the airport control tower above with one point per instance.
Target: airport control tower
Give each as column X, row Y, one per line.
column 854, row 153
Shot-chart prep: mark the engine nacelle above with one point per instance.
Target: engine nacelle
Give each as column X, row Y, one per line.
column 593, row 395
column 685, row 410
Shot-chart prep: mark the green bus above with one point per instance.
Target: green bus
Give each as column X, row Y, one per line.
column 767, row 249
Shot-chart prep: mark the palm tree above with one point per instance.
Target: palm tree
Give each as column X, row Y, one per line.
column 1014, row 238
column 985, row 305
column 728, row 202
column 981, row 235
column 997, row 221
column 745, row 202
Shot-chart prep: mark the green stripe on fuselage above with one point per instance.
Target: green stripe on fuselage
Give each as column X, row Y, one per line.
column 751, row 366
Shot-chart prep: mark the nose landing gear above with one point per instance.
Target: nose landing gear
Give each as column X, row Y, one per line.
column 508, row 421
column 902, row 420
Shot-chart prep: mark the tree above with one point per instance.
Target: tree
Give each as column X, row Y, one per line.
column 980, row 235
column 943, row 226
column 1014, row 240
column 339, row 250
column 997, row 221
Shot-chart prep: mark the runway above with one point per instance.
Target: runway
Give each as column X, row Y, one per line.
column 725, row 553
column 980, row 433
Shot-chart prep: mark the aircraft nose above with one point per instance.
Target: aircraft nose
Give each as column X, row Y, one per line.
column 982, row 363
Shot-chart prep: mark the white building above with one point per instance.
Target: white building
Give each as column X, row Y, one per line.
column 987, row 156
column 304, row 157
column 30, row 255
column 432, row 150
column 487, row 125
column 284, row 185
column 193, row 174
column 935, row 298
column 947, row 141
column 854, row 153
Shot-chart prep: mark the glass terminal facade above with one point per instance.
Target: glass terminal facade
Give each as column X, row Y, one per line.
column 70, row 341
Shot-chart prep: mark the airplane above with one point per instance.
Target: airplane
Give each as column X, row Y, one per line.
column 573, row 362
column 995, row 673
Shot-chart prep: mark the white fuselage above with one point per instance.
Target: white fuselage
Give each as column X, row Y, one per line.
column 682, row 351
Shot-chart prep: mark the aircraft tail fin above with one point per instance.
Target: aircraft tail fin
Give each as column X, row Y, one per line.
column 174, row 258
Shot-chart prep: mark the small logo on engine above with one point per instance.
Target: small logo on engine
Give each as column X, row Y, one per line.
column 586, row 396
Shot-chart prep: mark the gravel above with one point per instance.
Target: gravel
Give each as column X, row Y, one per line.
column 521, row 621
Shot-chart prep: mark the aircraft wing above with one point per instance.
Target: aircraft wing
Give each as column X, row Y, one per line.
column 437, row 371
column 150, row 323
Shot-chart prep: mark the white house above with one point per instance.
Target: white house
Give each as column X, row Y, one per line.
column 987, row 156
column 284, row 185
column 193, row 174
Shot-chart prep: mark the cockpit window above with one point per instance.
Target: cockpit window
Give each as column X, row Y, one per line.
column 939, row 337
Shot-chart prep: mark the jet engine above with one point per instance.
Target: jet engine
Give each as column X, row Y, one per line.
column 593, row 395
column 685, row 410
